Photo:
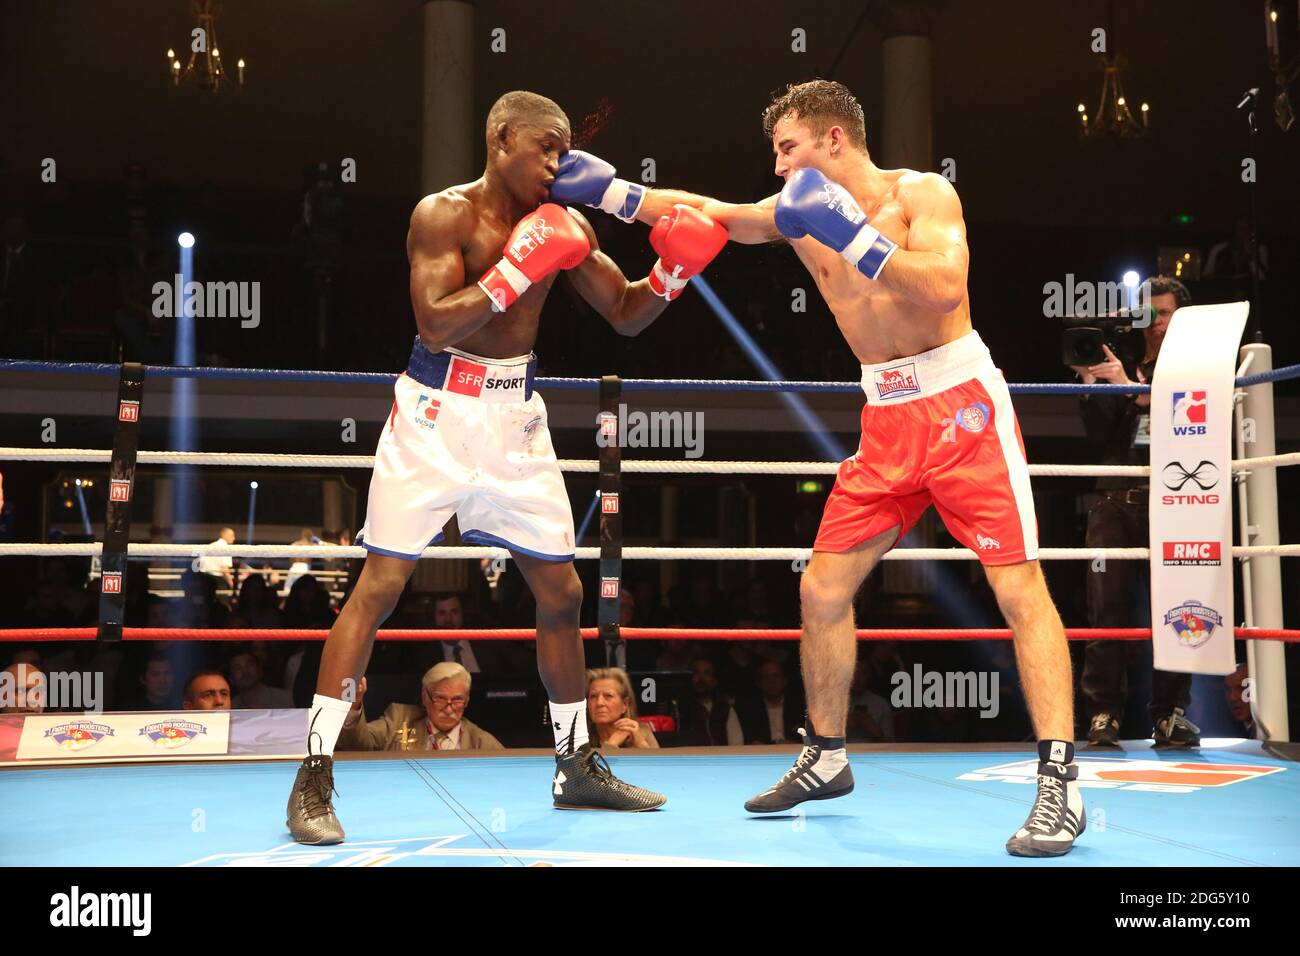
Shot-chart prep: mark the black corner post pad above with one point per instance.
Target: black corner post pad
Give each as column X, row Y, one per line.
column 611, row 521
column 121, row 488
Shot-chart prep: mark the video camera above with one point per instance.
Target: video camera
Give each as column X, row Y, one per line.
column 1121, row 332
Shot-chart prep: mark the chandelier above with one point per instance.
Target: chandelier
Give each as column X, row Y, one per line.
column 1113, row 117
column 205, row 69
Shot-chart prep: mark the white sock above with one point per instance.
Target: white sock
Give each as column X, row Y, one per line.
column 325, row 723
column 566, row 720
column 830, row 762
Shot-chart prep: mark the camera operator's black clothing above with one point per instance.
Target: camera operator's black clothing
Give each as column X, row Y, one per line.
column 1116, row 523
column 1111, row 424
column 1117, row 518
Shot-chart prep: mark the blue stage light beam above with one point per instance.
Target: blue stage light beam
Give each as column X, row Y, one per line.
column 814, row 427
column 183, row 426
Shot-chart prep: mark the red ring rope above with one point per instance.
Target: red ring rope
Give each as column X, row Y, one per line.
column 630, row 633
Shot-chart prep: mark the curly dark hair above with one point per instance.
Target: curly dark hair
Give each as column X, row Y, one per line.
column 821, row 104
column 1166, row 285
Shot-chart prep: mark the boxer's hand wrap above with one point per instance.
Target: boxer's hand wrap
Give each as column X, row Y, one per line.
column 587, row 179
column 811, row 204
column 686, row 241
column 544, row 241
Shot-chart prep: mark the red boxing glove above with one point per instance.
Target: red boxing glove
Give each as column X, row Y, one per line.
column 543, row 242
column 686, row 241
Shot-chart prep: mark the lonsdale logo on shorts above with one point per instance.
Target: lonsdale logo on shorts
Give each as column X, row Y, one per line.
column 896, row 381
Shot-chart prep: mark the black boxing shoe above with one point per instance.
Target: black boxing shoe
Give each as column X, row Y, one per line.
column 821, row 772
column 1176, row 731
column 1058, row 817
column 583, row 781
column 1104, row 731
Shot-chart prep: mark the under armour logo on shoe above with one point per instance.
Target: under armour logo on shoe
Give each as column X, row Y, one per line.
column 559, row 779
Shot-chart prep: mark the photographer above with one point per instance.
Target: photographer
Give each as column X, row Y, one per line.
column 1118, row 429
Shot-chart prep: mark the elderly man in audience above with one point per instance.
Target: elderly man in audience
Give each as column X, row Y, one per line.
column 206, row 690
column 611, row 711
column 437, row 723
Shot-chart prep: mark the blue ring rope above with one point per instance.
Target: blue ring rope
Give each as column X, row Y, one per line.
column 632, row 385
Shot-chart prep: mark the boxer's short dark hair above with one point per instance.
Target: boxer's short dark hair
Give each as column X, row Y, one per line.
column 821, row 104
column 522, row 106
column 1167, row 285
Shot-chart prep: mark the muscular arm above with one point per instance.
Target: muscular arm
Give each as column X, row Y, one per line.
column 931, row 271
column 446, row 311
column 748, row 223
column 628, row 306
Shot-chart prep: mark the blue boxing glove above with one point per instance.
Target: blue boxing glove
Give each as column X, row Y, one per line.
column 589, row 180
column 812, row 205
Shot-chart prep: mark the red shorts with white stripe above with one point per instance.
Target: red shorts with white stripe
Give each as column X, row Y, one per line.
column 937, row 427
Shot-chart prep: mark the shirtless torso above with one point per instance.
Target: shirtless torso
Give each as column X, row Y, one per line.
column 879, row 323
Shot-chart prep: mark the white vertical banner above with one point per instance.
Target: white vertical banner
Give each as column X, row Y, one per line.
column 1191, row 490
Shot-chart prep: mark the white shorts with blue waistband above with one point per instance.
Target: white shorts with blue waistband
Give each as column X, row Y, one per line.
column 467, row 436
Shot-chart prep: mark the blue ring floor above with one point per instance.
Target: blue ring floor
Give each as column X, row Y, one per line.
column 1213, row 807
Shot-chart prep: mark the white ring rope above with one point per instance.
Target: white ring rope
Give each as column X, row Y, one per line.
column 243, row 459
column 142, row 550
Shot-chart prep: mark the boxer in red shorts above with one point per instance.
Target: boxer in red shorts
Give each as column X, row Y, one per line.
column 887, row 249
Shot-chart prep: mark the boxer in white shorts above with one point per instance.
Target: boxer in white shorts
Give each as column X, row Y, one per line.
column 467, row 435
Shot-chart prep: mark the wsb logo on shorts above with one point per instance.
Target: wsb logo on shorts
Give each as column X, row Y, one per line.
column 1189, row 413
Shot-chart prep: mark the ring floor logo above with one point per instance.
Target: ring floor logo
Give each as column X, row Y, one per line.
column 1155, row 776
column 423, row 851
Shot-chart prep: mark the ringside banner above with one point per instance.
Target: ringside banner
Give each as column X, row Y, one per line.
column 1191, row 490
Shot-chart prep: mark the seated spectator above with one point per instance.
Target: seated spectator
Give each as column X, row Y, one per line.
column 497, row 658
column 437, row 723
column 206, row 690
column 676, row 655
column 308, row 605
column 611, row 711
column 22, row 689
column 44, row 609
column 755, row 609
column 257, row 603
column 709, row 718
column 157, row 686
column 870, row 718
column 772, row 716
column 250, row 692
column 1234, row 689
column 198, row 607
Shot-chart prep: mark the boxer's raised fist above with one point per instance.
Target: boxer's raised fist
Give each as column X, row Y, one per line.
column 587, row 179
column 545, row 241
column 687, row 241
